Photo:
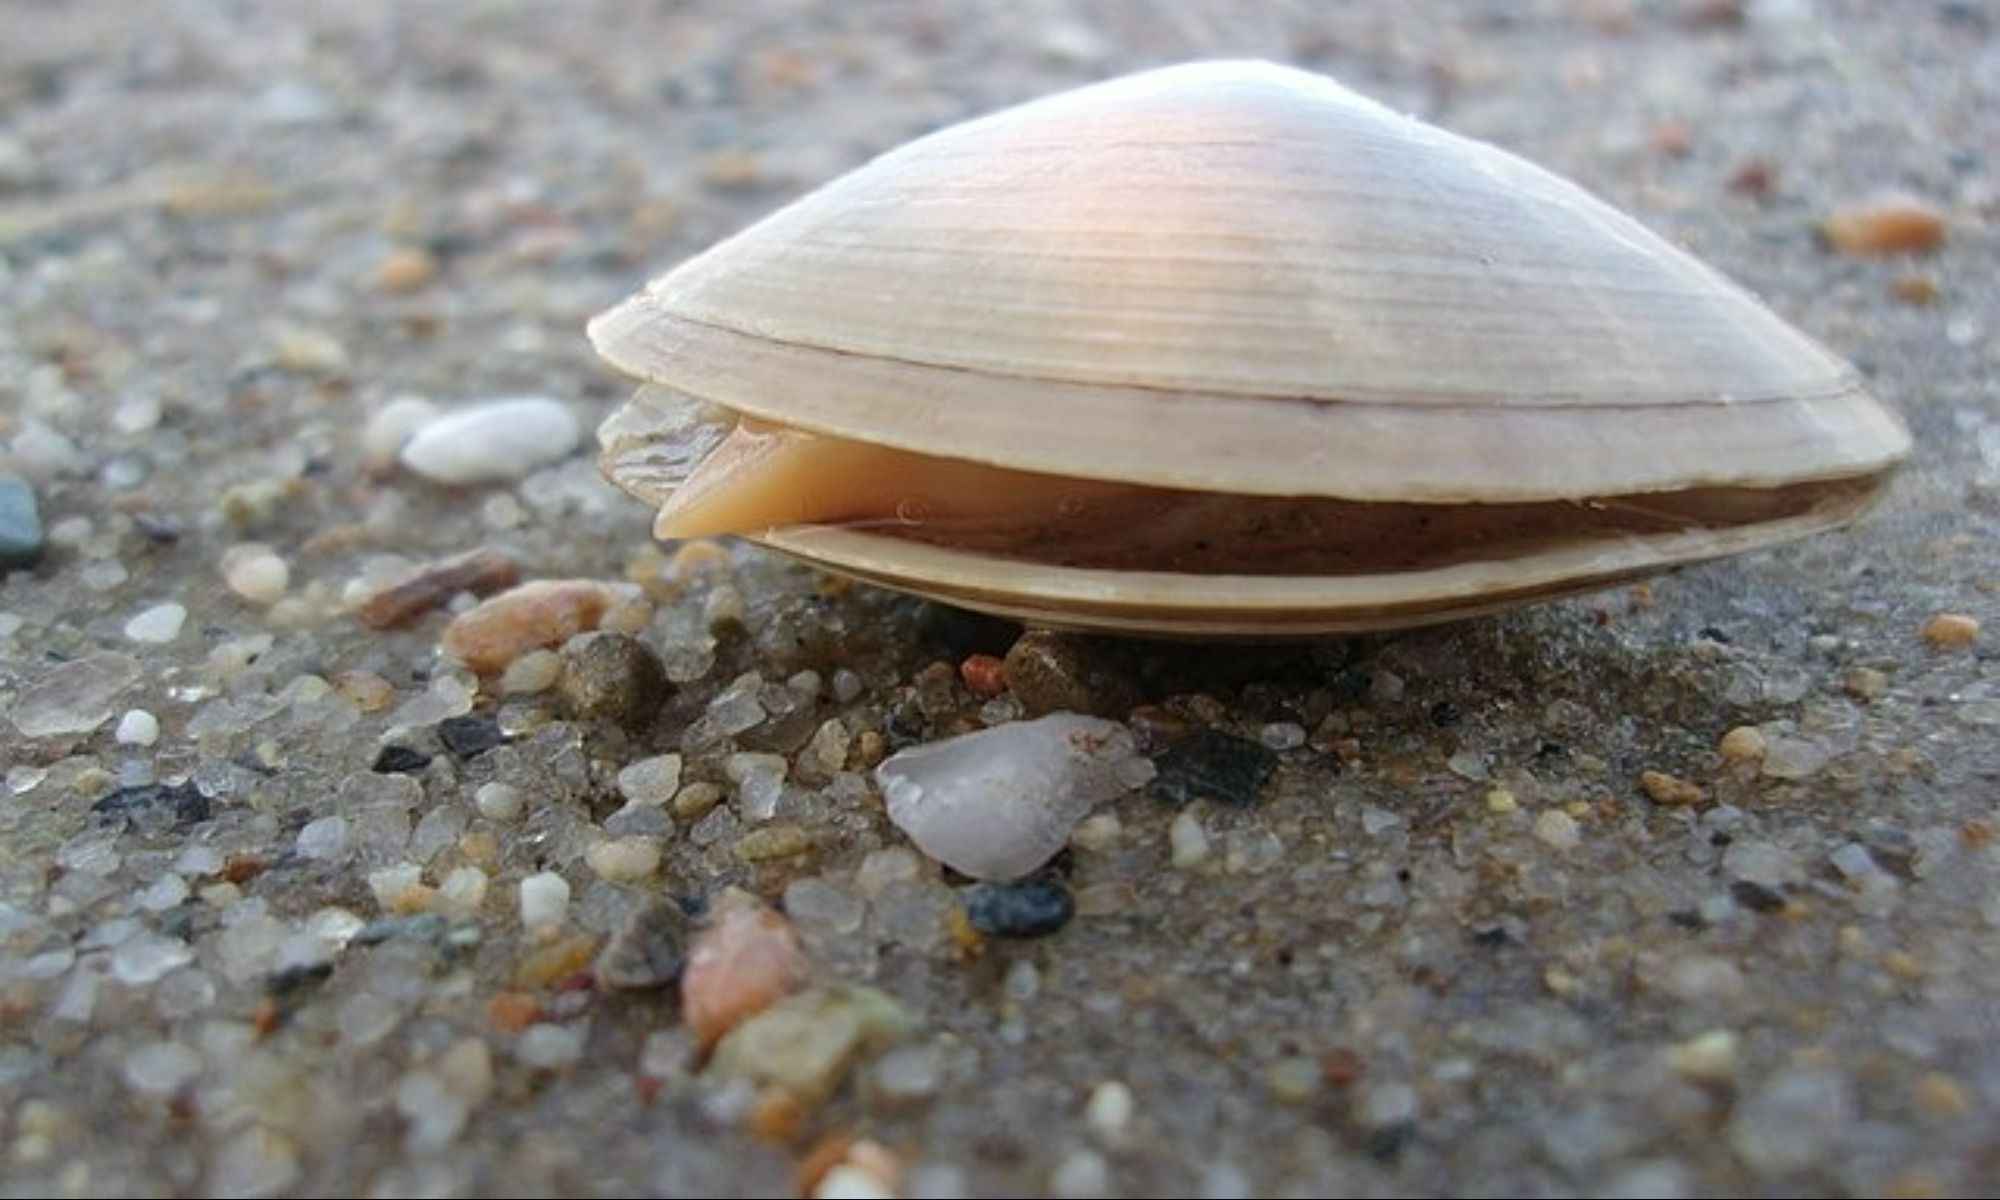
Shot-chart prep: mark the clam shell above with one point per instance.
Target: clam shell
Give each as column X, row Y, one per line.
column 1243, row 278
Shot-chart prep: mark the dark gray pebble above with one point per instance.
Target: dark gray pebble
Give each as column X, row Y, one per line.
column 155, row 807
column 470, row 736
column 647, row 951
column 1215, row 766
column 400, row 760
column 1030, row 908
column 611, row 677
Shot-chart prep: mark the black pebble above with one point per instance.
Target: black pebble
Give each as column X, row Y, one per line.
column 1756, row 897
column 1032, row 908
column 400, row 760
column 1444, row 714
column 156, row 805
column 470, row 736
column 1228, row 770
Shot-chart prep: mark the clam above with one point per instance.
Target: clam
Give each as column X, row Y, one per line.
column 1226, row 349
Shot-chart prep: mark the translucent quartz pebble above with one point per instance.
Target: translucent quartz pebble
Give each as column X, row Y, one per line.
column 999, row 803
column 75, row 697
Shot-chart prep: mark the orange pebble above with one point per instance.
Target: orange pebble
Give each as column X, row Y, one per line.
column 984, row 675
column 748, row 957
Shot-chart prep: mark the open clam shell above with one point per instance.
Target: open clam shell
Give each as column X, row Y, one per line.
column 1238, row 280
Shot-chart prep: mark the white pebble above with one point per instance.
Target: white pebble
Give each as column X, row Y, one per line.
column 1188, row 840
column 499, row 440
column 1082, row 1175
column 390, row 428
column 138, row 728
column 255, row 572
column 499, row 801
column 846, row 685
column 462, row 892
column 136, row 415
column 999, row 803
column 1098, row 834
column 1558, row 829
column 1108, row 1112
column 1282, row 735
column 651, row 781
column 161, row 1068
column 158, row 624
column 550, row 1046
column 848, row 1182
column 533, row 672
column 391, row 884
column 544, row 900
column 163, row 893
column 325, row 838
column 624, row 860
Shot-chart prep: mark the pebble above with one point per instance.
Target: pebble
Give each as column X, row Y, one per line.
column 908, row 1075
column 324, row 838
column 746, row 958
column 1030, row 908
column 1793, row 758
column 651, row 781
column 400, row 888
column 470, row 736
column 1669, row 790
column 544, row 901
column 1081, row 1175
column 998, row 803
column 161, row 1068
column 256, row 1162
column 549, row 1046
column 405, row 269
column 1792, row 1121
column 647, row 951
column 817, row 905
column 158, row 625
column 462, row 893
column 499, row 801
column 532, row 673
column 75, row 697
column 22, row 539
column 1108, row 1112
column 1951, row 631
column 773, row 842
column 694, row 801
column 624, row 860
column 1053, row 672
column 1709, row 1057
column 534, row 616
column 1215, row 766
column 1294, row 1079
column 255, row 572
column 1887, row 223
column 390, row 427
column 494, row 441
column 1187, row 841
column 482, row 572
column 611, row 677
column 1282, row 735
column 1866, row 683
column 1097, row 834
column 1745, row 743
column 807, row 1042
column 984, row 675
column 399, row 760
column 1558, row 829
column 137, row 728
